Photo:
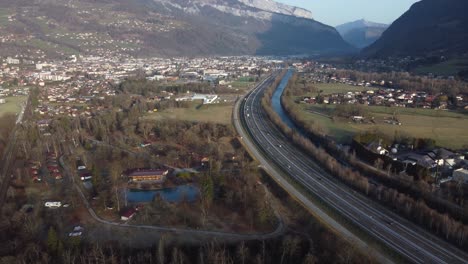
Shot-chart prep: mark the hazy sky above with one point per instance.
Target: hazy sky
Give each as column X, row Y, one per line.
column 336, row 12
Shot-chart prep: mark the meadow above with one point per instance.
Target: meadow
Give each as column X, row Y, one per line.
column 215, row 113
column 330, row 88
column 448, row 129
column 12, row 105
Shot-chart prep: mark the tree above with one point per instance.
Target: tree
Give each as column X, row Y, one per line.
column 115, row 171
column 161, row 250
column 207, row 189
column 54, row 245
column 242, row 252
column 96, row 178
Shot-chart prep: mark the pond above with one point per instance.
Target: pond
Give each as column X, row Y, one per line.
column 177, row 194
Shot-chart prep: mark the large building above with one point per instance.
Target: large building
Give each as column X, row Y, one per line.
column 152, row 175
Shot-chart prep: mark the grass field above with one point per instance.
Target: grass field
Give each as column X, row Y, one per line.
column 330, row 88
column 242, row 83
column 216, row 113
column 13, row 105
column 448, row 129
column 450, row 67
column 4, row 13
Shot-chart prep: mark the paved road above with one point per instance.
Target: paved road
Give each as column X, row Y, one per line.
column 275, row 151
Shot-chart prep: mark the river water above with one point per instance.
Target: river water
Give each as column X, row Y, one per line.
column 276, row 101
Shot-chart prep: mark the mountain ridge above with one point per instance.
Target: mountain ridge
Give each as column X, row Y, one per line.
column 173, row 28
column 428, row 28
column 361, row 33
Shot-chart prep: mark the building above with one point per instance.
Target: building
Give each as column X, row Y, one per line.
column 141, row 175
column 460, row 175
column 128, row 214
column 11, row 60
column 206, row 98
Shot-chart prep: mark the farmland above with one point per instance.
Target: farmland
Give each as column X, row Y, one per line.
column 447, row 128
column 217, row 113
column 450, row 67
column 330, row 88
column 12, row 105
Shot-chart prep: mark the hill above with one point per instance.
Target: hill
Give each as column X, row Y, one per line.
column 428, row 28
column 163, row 28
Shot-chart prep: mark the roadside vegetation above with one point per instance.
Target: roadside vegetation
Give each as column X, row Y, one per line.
column 7, row 121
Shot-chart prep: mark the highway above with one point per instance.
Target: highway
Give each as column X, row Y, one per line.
column 282, row 159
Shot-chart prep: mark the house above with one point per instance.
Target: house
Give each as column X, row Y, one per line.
column 2, row 101
column 377, row 147
column 460, row 175
column 128, row 214
column 153, row 175
column 420, row 159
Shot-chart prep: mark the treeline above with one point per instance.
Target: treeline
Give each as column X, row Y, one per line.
column 145, row 87
column 7, row 123
column 416, row 210
column 406, row 81
column 284, row 250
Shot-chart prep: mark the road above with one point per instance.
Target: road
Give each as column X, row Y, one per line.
column 280, row 157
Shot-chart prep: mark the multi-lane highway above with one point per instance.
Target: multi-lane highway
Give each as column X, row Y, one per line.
column 283, row 159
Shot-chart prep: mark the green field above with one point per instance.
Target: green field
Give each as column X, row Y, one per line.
column 448, row 129
column 330, row 88
column 13, row 105
column 216, row 113
column 4, row 13
column 450, row 67
column 242, row 82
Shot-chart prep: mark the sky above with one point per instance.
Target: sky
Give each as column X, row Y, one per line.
column 337, row 12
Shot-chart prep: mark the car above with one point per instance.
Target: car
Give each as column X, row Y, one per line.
column 66, row 205
column 78, row 229
column 74, row 234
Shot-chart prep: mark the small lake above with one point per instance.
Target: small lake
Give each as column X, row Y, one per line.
column 172, row 195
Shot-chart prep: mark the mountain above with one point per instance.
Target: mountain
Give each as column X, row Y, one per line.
column 428, row 28
column 165, row 28
column 361, row 33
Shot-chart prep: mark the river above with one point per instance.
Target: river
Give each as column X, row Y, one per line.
column 276, row 102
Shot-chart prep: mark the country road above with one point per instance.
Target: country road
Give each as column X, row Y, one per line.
column 285, row 161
